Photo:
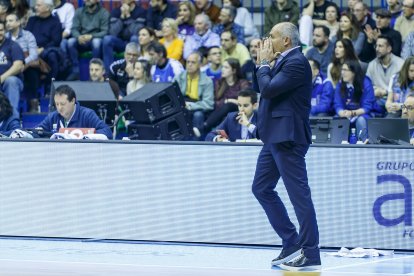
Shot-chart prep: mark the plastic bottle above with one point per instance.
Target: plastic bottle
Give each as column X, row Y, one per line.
column 353, row 138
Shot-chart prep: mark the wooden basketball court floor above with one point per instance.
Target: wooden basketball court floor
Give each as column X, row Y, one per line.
column 46, row 257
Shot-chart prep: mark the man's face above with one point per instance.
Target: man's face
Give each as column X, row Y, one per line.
column 383, row 22
column 392, row 3
column 254, row 47
column 408, row 112
column 227, row 42
column 225, row 17
column 96, row 72
column 200, row 4
column 199, row 25
column 319, row 38
column 214, row 56
column 131, row 56
column 278, row 43
column 358, row 11
column 245, row 105
column 64, row 107
column 42, row 9
column 408, row 9
column 155, row 58
column 12, row 23
column 382, row 48
column 351, row 4
column 193, row 63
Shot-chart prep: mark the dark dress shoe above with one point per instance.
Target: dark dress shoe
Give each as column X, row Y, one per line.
column 302, row 263
column 287, row 254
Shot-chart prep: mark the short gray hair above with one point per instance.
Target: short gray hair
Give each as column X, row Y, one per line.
column 205, row 19
column 49, row 3
column 131, row 46
column 287, row 29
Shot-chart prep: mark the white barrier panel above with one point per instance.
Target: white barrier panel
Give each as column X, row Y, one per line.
column 197, row 193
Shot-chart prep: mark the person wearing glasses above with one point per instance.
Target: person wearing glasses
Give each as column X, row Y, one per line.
column 408, row 113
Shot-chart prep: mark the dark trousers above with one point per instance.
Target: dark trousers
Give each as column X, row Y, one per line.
column 287, row 160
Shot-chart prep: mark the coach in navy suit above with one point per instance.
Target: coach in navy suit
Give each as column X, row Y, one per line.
column 283, row 126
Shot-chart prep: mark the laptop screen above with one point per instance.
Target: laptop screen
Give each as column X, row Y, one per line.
column 329, row 130
column 388, row 128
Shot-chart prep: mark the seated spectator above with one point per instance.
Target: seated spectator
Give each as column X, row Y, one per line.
column 227, row 15
column 363, row 16
column 405, row 23
column 349, row 28
column 121, row 71
column 65, row 12
column 4, row 6
column 170, row 39
column 408, row 113
column 240, row 124
column 322, row 49
column 185, row 19
column 9, row 120
column 69, row 114
column 158, row 10
column 244, row 19
column 322, row 92
column 90, row 25
column 351, row 5
column 408, row 49
column 343, row 51
column 213, row 69
column 394, row 6
column 401, row 85
column 225, row 95
column 163, row 69
column 141, row 76
column 383, row 28
column 209, row 8
column 381, row 70
column 125, row 22
column 280, row 11
column 231, row 48
column 10, row 68
column 197, row 89
column 145, row 36
column 22, row 9
column 27, row 43
column 354, row 96
column 96, row 70
column 202, row 36
column 250, row 66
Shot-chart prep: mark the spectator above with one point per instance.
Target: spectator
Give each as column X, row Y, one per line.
column 65, row 12
column 69, row 114
column 27, row 43
column 317, row 9
column 9, row 120
column 185, row 19
column 227, row 15
column 408, row 49
column 163, row 69
column 349, row 28
column 243, row 18
column 197, row 89
column 394, row 6
column 96, row 70
column 145, row 36
column 170, row 39
column 227, row 89
column 90, row 25
column 401, row 85
column 351, row 5
column 241, row 124
column 280, row 11
column 354, row 96
column 141, row 76
column 322, row 49
column 121, row 71
column 250, row 66
column 4, row 6
column 22, row 9
column 405, row 23
column 408, row 113
column 10, row 68
column 362, row 15
column 381, row 70
column 322, row 92
column 209, row 8
column 231, row 48
column 202, row 36
column 125, row 22
column 158, row 10
column 213, row 69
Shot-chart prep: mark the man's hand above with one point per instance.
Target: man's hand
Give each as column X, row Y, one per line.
column 242, row 119
column 345, row 114
column 83, row 39
column 412, row 141
column 129, row 68
column 221, row 139
column 379, row 92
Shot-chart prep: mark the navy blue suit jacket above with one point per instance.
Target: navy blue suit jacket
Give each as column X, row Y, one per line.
column 10, row 124
column 232, row 127
column 285, row 101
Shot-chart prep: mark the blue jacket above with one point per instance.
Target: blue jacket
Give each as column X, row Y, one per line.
column 232, row 127
column 322, row 96
column 10, row 124
column 83, row 118
column 285, row 101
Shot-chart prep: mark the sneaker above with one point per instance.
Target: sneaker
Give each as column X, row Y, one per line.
column 287, row 254
column 302, row 263
column 197, row 132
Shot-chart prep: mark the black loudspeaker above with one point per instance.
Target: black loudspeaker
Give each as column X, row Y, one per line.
column 97, row 96
column 153, row 102
column 176, row 127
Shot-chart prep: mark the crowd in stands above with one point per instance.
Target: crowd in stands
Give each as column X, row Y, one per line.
column 362, row 61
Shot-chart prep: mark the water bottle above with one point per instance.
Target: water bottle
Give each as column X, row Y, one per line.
column 353, row 138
